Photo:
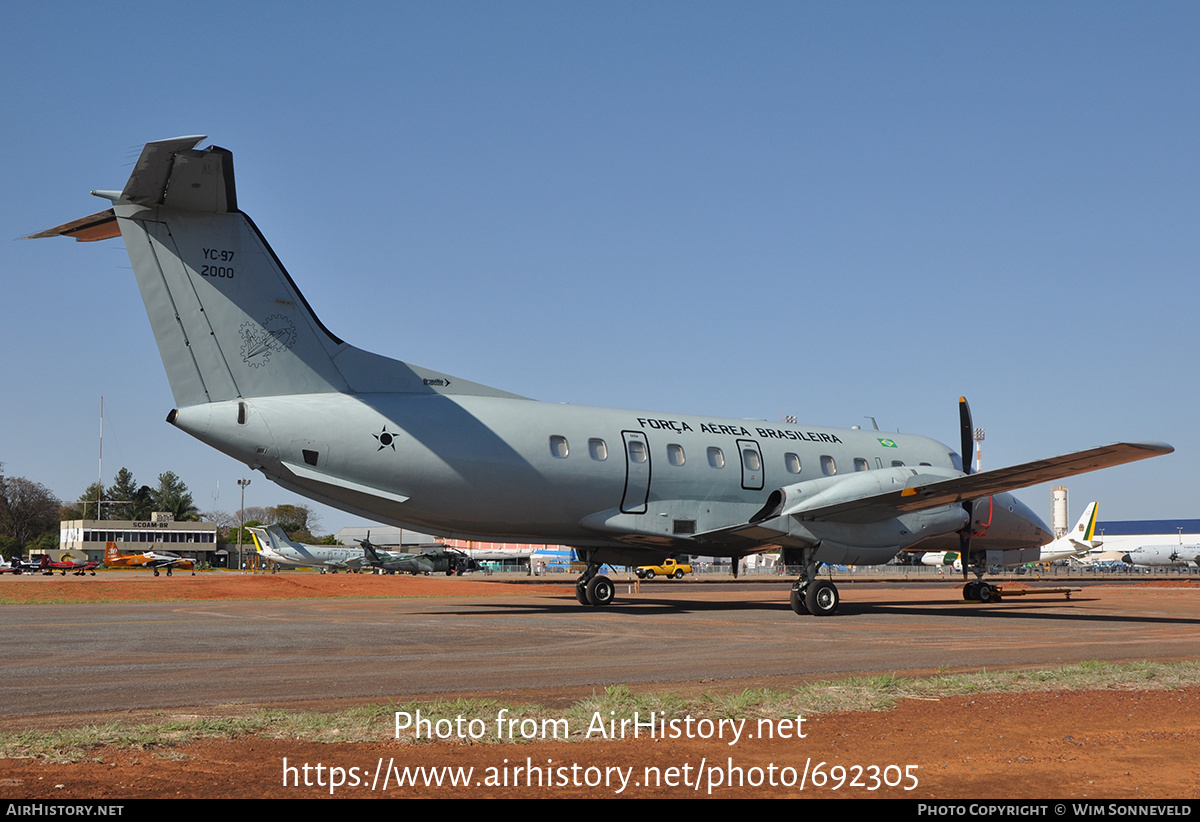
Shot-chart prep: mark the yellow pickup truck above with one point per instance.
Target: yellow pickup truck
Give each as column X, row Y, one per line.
column 669, row 568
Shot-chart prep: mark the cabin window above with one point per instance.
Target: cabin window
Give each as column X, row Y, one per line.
column 716, row 457
column 861, row 464
column 637, row 451
column 897, row 463
column 598, row 449
column 792, row 463
column 675, row 454
column 558, row 447
column 751, row 460
column 828, row 465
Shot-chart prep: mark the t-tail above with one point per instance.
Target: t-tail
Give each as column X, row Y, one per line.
column 229, row 321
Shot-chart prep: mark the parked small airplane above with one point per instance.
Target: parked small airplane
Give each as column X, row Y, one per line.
column 155, row 560
column 437, row 560
column 18, row 566
column 67, row 563
column 275, row 546
column 1177, row 556
column 1077, row 542
column 256, row 375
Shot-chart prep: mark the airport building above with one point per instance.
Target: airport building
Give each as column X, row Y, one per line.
column 193, row 540
column 1129, row 535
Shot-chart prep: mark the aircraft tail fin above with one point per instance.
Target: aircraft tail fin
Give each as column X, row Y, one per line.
column 369, row 550
column 111, row 554
column 280, row 538
column 229, row 321
column 1085, row 529
column 259, row 536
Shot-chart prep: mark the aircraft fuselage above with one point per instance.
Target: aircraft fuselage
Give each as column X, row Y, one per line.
column 518, row 470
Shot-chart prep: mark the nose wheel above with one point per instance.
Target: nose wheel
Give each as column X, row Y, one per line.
column 980, row 591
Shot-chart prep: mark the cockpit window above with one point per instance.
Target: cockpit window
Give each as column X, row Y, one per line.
column 956, row 461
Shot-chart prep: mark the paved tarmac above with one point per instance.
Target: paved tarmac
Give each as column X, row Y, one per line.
column 82, row 658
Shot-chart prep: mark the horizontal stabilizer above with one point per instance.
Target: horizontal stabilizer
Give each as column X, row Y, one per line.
column 147, row 184
column 99, row 226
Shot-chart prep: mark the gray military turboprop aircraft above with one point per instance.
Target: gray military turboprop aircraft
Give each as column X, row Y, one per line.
column 256, row 375
column 1178, row 556
column 275, row 546
column 435, row 560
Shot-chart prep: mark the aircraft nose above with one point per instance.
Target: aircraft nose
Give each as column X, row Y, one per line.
column 1013, row 523
column 1031, row 523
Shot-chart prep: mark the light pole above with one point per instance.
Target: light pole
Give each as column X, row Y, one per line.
column 242, row 483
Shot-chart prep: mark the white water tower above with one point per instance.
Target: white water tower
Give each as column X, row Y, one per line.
column 1059, row 511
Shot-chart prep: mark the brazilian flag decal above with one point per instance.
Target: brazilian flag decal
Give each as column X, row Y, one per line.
column 886, row 443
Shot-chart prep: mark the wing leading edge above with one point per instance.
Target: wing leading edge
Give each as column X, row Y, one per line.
column 919, row 492
column 923, row 496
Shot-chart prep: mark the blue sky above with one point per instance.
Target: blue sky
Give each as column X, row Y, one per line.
column 830, row 210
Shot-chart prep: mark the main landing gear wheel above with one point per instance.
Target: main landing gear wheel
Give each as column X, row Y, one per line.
column 798, row 603
column 581, row 593
column 821, row 597
column 600, row 591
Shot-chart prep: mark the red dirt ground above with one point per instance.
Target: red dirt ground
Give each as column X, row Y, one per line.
column 143, row 586
column 1109, row 744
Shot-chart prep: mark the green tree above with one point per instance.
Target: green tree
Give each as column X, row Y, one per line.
column 85, row 507
column 28, row 510
column 128, row 503
column 292, row 518
column 172, row 496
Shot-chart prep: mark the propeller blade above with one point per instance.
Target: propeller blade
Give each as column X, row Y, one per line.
column 967, row 434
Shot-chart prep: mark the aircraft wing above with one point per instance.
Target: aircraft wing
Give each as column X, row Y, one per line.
column 927, row 491
column 922, row 496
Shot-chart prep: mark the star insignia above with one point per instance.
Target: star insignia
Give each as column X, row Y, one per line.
column 385, row 439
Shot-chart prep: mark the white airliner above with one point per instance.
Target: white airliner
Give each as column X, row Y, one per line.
column 1077, row 542
column 940, row 559
column 255, row 374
